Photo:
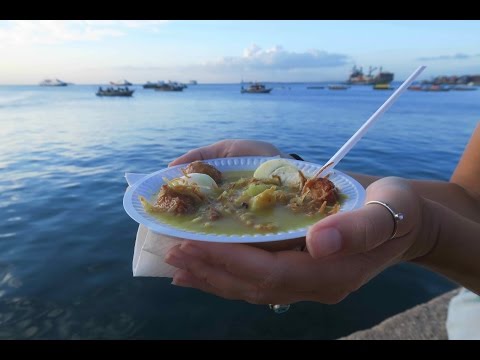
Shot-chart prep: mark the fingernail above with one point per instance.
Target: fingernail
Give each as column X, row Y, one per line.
column 326, row 241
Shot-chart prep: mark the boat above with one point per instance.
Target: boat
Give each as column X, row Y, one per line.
column 193, row 82
column 338, row 87
column 432, row 88
column 170, row 86
column 315, row 87
column 150, row 85
column 382, row 87
column 177, row 84
column 436, row 88
column 415, row 88
column 255, row 88
column 121, row 83
column 357, row 77
column 54, row 82
column 124, row 92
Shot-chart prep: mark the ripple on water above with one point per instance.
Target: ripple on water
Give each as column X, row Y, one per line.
column 24, row 319
column 7, row 235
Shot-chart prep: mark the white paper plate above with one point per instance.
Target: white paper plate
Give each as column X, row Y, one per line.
column 151, row 184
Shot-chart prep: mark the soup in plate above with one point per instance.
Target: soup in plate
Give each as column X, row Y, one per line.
column 276, row 197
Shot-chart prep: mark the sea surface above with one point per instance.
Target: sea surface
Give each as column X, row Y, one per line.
column 66, row 244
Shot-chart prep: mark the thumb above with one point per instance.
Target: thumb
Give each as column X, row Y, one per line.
column 351, row 232
column 368, row 227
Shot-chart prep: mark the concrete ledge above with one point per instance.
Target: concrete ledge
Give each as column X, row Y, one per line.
column 423, row 322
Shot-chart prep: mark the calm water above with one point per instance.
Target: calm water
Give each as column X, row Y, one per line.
column 66, row 243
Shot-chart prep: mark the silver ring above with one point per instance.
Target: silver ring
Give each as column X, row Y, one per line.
column 279, row 308
column 395, row 215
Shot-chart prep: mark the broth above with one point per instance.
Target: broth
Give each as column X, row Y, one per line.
column 279, row 218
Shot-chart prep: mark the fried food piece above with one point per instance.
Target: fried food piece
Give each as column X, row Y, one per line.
column 321, row 189
column 204, row 168
column 174, row 202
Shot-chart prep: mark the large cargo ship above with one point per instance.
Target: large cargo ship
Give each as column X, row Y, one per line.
column 357, row 77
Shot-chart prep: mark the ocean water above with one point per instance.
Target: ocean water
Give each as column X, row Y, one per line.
column 66, row 244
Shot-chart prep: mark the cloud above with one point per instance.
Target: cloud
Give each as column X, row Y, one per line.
column 128, row 23
column 277, row 58
column 254, row 63
column 458, row 56
column 47, row 32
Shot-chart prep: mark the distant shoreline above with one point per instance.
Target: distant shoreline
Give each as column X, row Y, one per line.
column 205, row 83
column 430, row 80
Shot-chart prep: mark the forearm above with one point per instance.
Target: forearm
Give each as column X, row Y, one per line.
column 456, row 246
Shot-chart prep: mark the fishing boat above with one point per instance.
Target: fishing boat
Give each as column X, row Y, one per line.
column 150, row 85
column 170, row 86
column 255, row 88
column 124, row 92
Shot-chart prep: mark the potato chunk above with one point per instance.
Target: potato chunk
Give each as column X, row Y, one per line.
column 264, row 200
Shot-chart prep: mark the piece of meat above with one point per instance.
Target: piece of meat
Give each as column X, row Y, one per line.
column 321, row 189
column 204, row 168
column 174, row 202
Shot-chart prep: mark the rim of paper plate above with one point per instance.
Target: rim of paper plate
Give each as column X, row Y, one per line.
column 150, row 184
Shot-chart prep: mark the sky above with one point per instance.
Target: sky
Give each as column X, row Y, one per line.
column 229, row 51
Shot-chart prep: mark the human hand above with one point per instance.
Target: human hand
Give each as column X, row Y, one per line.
column 345, row 251
column 229, row 148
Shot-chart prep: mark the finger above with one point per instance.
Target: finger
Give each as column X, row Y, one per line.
column 186, row 279
column 366, row 228
column 209, row 274
column 292, row 271
column 249, row 262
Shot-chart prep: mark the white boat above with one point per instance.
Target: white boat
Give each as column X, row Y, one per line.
column 53, row 82
column 121, row 83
